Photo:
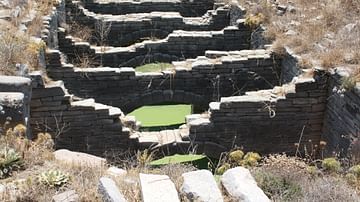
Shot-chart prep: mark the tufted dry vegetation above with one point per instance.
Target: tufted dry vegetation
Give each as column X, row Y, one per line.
column 325, row 33
column 20, row 47
column 285, row 178
column 36, row 157
column 282, row 178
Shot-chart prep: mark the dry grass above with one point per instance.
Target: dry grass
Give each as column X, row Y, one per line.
column 327, row 31
column 37, row 157
column 292, row 175
column 282, row 178
column 17, row 47
column 79, row 32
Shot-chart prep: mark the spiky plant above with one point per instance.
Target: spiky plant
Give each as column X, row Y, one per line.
column 10, row 160
column 53, row 178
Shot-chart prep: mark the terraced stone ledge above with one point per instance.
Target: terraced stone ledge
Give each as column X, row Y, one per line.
column 190, row 8
column 194, row 81
column 130, row 28
column 259, row 120
column 76, row 124
column 178, row 45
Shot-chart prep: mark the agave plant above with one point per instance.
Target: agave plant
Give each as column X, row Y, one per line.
column 53, row 178
column 9, row 160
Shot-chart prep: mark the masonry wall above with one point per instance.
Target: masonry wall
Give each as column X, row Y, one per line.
column 178, row 45
column 197, row 81
column 342, row 118
column 51, row 23
column 82, row 125
column 245, row 121
column 189, row 8
column 128, row 29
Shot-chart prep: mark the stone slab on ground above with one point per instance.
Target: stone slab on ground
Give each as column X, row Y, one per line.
column 109, row 191
column 78, row 158
column 240, row 184
column 201, row 186
column 116, row 172
column 157, row 188
column 67, row 196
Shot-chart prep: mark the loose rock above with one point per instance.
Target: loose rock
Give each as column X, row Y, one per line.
column 240, row 185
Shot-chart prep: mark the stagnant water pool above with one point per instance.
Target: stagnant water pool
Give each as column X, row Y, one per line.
column 162, row 116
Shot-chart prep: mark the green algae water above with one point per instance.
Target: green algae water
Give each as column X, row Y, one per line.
column 162, row 115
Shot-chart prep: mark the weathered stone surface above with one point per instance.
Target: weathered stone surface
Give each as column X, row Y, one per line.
column 68, row 196
column 240, row 185
column 157, row 188
column 14, row 81
column 201, row 186
column 2, row 189
column 109, row 191
column 116, row 172
column 11, row 99
column 78, row 158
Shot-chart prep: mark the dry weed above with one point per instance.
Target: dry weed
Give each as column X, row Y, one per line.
column 281, row 175
column 328, row 31
column 82, row 33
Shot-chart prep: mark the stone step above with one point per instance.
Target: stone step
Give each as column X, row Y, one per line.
column 160, row 138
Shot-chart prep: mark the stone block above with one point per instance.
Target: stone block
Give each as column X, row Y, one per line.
column 67, row 196
column 78, row 158
column 157, row 188
column 240, row 185
column 201, row 186
column 109, row 191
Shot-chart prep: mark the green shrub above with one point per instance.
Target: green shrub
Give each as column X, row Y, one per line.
column 278, row 186
column 10, row 160
column 53, row 178
column 331, row 165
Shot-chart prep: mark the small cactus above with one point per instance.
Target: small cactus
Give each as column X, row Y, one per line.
column 355, row 170
column 221, row 170
column 9, row 160
column 331, row 165
column 236, row 156
column 20, row 130
column 53, row 178
column 44, row 139
column 254, row 155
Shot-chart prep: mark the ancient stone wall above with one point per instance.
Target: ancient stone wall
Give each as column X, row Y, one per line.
column 125, row 30
column 190, row 8
column 302, row 112
column 51, row 23
column 195, row 81
column 342, row 118
column 266, row 121
column 76, row 125
column 179, row 44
